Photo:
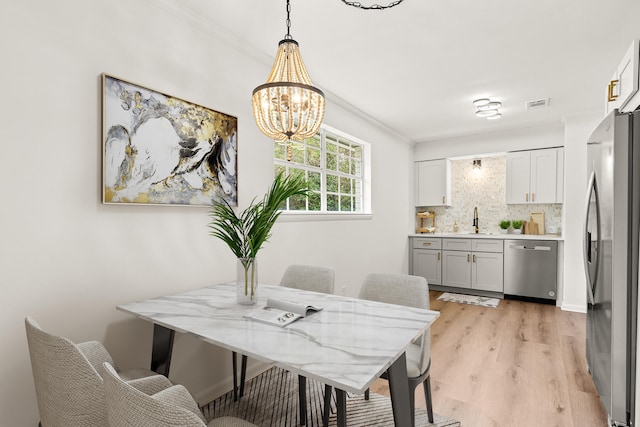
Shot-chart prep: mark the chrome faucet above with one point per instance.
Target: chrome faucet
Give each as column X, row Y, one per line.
column 475, row 219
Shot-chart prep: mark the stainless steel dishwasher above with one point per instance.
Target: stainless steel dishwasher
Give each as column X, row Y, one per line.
column 530, row 269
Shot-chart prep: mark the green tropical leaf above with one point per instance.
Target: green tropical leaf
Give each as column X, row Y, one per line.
column 247, row 233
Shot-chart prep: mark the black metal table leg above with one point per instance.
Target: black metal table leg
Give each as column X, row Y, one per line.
column 234, row 362
column 161, row 349
column 341, row 402
column 302, row 399
column 243, row 374
column 327, row 405
column 399, row 390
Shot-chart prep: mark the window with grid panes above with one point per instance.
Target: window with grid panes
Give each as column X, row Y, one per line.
column 333, row 165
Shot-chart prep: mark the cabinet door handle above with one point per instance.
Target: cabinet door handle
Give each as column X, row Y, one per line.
column 474, row 258
column 443, row 200
column 467, row 257
column 426, row 243
column 533, row 197
column 438, row 256
column 610, row 95
column 526, row 197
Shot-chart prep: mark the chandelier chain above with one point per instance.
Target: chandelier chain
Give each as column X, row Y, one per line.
column 373, row 6
column 288, row 35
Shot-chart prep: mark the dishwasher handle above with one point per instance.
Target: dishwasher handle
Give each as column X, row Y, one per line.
column 530, row 248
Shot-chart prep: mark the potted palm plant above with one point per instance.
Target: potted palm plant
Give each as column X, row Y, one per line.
column 246, row 233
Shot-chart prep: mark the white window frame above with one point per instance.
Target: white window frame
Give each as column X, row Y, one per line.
column 323, row 214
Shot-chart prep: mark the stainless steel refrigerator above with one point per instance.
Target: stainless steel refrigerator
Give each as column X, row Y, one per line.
column 611, row 254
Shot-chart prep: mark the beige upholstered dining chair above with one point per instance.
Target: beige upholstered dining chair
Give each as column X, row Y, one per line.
column 171, row 407
column 68, row 379
column 410, row 291
column 308, row 278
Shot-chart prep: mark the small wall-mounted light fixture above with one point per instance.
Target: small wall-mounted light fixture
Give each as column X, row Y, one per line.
column 477, row 164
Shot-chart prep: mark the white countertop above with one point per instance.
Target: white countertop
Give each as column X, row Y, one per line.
column 464, row 235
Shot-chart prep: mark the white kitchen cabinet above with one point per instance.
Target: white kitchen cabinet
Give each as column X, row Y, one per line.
column 544, row 174
column 622, row 90
column 426, row 259
column 518, row 177
column 473, row 264
column 535, row 176
column 433, row 183
column 560, row 175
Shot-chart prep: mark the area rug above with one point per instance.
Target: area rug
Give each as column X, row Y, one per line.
column 271, row 400
column 470, row 299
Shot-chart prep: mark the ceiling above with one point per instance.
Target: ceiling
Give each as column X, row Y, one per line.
column 417, row 67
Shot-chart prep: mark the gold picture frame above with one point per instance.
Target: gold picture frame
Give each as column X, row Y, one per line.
column 163, row 150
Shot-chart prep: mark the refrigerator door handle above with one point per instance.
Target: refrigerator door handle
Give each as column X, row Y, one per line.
column 586, row 242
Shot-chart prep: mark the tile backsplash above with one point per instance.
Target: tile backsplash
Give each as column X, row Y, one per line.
column 485, row 189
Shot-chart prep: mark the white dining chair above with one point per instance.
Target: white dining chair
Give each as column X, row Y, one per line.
column 68, row 379
column 410, row 291
column 171, row 407
column 308, row 278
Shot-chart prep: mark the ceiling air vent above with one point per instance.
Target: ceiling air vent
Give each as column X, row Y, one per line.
column 538, row 103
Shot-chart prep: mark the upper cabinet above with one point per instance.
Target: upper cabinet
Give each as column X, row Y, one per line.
column 622, row 90
column 433, row 183
column 535, row 176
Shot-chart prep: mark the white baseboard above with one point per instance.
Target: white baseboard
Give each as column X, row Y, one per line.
column 578, row 308
column 210, row 394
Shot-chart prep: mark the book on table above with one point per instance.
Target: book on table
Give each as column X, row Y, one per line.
column 281, row 312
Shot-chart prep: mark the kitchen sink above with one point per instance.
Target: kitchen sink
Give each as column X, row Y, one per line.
column 480, row 234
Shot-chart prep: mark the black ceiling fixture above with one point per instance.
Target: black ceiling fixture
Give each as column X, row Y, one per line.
column 373, row 6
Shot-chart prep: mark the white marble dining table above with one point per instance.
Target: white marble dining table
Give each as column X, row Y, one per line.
column 346, row 345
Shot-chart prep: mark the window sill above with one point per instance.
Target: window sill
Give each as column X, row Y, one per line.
column 325, row 216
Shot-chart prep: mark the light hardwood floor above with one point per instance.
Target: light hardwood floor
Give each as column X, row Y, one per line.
column 521, row 364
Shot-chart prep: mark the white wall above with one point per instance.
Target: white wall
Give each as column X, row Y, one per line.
column 67, row 260
column 578, row 128
column 489, row 143
column 573, row 136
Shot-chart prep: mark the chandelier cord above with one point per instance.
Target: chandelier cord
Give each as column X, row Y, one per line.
column 373, row 6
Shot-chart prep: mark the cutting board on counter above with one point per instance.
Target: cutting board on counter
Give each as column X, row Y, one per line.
column 536, row 224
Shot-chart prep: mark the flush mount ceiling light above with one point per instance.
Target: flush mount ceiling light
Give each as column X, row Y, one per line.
column 486, row 113
column 490, row 105
column 481, row 102
column 373, row 6
column 288, row 107
column 487, row 108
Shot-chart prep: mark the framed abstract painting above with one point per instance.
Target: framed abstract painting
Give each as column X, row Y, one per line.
column 159, row 149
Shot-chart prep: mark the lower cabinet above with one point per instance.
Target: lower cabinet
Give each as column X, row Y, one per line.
column 473, row 264
column 426, row 259
column 486, row 271
column 459, row 263
column 457, row 269
column 427, row 264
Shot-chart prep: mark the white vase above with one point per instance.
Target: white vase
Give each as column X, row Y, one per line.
column 517, row 231
column 504, row 230
column 247, row 281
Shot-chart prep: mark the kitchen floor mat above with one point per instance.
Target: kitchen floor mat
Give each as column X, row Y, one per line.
column 470, row 299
